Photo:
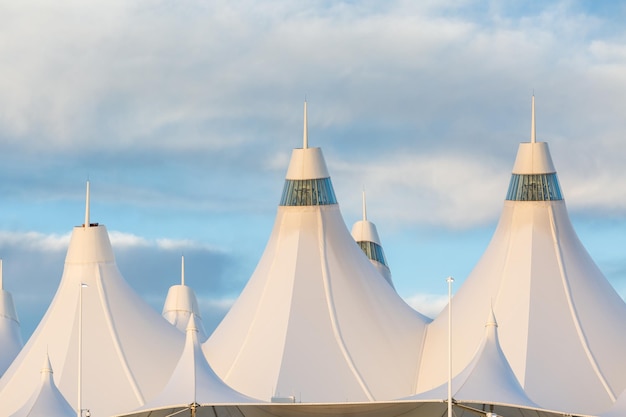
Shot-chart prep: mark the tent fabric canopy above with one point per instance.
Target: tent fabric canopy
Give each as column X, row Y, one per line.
column 316, row 321
column 46, row 400
column 557, row 313
column 193, row 381
column 97, row 314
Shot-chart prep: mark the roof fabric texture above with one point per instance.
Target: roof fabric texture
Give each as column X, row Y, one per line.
column 318, row 331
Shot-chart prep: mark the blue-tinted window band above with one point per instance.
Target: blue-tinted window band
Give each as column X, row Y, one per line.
column 315, row 192
column 374, row 251
column 534, row 187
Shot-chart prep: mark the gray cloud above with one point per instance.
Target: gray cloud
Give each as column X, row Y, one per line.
column 150, row 267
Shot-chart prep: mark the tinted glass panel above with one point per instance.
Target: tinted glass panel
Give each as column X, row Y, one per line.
column 373, row 251
column 317, row 192
column 535, row 187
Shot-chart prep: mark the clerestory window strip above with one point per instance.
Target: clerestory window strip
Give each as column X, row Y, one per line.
column 534, row 187
column 373, row 251
column 314, row 192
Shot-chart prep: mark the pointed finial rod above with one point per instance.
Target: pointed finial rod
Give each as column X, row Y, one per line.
column 182, row 270
column 364, row 206
column 532, row 122
column 87, row 207
column 306, row 130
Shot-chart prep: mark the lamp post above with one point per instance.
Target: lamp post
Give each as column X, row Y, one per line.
column 450, row 280
column 79, row 412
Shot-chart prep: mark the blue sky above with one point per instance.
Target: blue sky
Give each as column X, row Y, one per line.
column 183, row 116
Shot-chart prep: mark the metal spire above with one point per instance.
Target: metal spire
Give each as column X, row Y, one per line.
column 364, row 207
column 450, row 280
column 306, row 130
column 182, row 270
column 87, row 207
column 532, row 123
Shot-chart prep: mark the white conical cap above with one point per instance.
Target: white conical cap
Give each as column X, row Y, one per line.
column 558, row 314
column 365, row 231
column 10, row 333
column 47, row 400
column 122, row 337
column 315, row 321
column 180, row 304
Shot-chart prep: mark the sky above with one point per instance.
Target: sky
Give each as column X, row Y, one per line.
column 182, row 115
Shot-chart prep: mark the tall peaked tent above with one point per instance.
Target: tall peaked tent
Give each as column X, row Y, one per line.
column 366, row 236
column 559, row 317
column 104, row 340
column 46, row 400
column 316, row 323
column 181, row 304
column 10, row 335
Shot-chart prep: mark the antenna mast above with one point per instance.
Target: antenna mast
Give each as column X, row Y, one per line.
column 87, row 207
column 532, row 122
column 182, row 271
column 306, row 130
column 364, row 207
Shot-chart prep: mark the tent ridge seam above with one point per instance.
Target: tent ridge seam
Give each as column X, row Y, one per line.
column 333, row 313
column 116, row 339
column 254, row 317
column 570, row 302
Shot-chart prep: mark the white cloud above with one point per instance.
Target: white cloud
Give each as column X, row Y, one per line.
column 34, row 241
column 431, row 189
column 182, row 244
column 429, row 305
column 195, row 105
column 124, row 240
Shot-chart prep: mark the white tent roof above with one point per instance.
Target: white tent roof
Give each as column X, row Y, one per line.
column 193, row 381
column 487, row 379
column 10, row 335
column 46, row 400
column 180, row 304
column 316, row 322
column 558, row 315
column 127, row 350
column 365, row 234
column 618, row 409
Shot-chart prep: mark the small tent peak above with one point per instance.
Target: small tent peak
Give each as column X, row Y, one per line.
column 191, row 324
column 47, row 366
column 305, row 135
column 491, row 320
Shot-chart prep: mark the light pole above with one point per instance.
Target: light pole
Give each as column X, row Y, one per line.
column 450, row 280
column 79, row 412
